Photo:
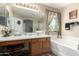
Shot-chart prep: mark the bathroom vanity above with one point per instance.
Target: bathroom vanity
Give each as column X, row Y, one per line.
column 37, row 45
column 20, row 25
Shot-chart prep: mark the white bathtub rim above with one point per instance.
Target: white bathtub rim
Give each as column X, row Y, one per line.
column 58, row 53
column 65, row 46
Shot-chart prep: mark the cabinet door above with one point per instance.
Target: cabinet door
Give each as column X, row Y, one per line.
column 36, row 47
column 45, row 45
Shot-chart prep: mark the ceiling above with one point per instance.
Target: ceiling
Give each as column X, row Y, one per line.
column 57, row 5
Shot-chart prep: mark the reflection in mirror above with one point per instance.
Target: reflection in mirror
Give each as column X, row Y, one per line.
column 28, row 25
column 4, row 30
column 21, row 20
column 18, row 22
column 2, row 21
column 2, row 15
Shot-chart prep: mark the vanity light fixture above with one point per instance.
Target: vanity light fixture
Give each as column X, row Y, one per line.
column 31, row 6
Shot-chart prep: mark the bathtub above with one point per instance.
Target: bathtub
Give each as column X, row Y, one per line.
column 66, row 46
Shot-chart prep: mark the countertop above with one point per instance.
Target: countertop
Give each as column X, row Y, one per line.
column 11, row 38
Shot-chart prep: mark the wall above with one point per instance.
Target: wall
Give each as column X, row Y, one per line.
column 65, row 18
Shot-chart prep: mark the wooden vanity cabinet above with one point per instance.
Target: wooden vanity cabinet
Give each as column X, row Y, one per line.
column 36, row 47
column 46, row 45
column 40, row 46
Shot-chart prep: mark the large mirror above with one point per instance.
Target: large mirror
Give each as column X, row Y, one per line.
column 20, row 20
